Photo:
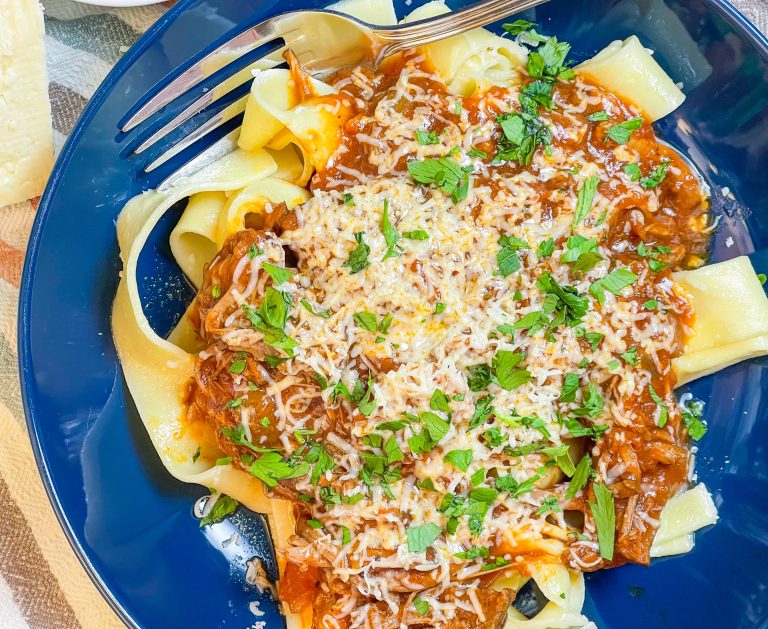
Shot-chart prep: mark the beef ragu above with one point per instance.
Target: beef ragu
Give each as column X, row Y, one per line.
column 419, row 381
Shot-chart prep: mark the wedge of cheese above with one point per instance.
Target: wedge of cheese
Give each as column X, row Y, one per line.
column 26, row 135
column 731, row 318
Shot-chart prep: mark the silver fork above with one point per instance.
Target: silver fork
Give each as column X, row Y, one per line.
column 323, row 41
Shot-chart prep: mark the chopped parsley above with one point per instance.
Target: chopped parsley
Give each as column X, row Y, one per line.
column 460, row 459
column 390, row 234
column 270, row 318
column 663, row 411
column 514, row 488
column 254, row 251
column 630, row 356
column 416, row 234
column 483, row 411
column 279, row 275
column 598, row 116
column 546, row 248
column 215, row 291
column 691, row 415
column 196, row 455
column 517, row 27
column 614, row 282
column 593, row 403
column 311, row 309
column 633, row 171
column 584, row 200
column 570, row 387
column 604, row 512
column 422, row 537
column 426, row 137
column 580, row 477
column 550, row 504
column 581, row 253
column 349, row 199
column 358, row 257
column 507, row 257
column 563, row 303
column 651, row 304
column 238, row 366
column 223, row 506
column 656, row 177
column 421, row 606
column 435, row 428
column 620, row 133
column 477, row 153
column 444, row 174
column 548, row 61
column 366, row 320
column 439, row 307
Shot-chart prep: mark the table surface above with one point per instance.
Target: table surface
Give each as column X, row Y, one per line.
column 42, row 584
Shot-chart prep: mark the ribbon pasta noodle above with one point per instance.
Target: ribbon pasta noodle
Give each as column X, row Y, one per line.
column 435, row 341
column 628, row 69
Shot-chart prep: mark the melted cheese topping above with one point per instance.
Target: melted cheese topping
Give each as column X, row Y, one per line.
column 447, row 301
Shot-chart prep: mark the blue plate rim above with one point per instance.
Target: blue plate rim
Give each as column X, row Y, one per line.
column 723, row 7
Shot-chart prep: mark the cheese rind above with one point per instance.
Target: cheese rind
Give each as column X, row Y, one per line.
column 26, row 135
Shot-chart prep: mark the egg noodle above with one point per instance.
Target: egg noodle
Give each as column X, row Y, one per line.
column 442, row 309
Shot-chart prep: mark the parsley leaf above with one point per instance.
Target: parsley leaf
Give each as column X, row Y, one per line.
column 358, row 257
column 651, row 304
column 598, row 116
column 548, row 61
column 549, row 504
column 656, row 177
column 570, row 386
column 691, row 415
column 507, row 375
column 366, row 320
column 564, row 302
column 279, row 274
column 593, row 403
column 663, row 412
column 444, row 173
column 546, row 248
column 633, row 171
column 349, row 199
column 581, row 253
column 323, row 314
column 604, row 512
column 507, row 258
column 580, row 477
column 223, row 506
column 620, row 133
column 483, row 410
column 421, row 606
column 630, row 356
column 390, row 234
column 422, row 537
column 517, row 27
column 614, row 282
column 426, row 137
column 584, row 200
column 460, row 459
column 416, row 234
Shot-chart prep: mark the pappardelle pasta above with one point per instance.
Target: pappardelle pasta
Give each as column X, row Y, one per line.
column 442, row 308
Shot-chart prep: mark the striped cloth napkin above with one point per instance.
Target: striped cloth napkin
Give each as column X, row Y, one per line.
column 42, row 585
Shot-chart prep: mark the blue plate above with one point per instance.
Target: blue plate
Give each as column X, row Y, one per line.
column 131, row 524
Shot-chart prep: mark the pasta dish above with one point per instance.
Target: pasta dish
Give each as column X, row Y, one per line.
column 442, row 310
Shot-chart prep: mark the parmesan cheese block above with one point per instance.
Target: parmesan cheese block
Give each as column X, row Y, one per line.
column 26, row 136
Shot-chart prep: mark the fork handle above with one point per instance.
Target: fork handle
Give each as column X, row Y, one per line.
column 399, row 38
